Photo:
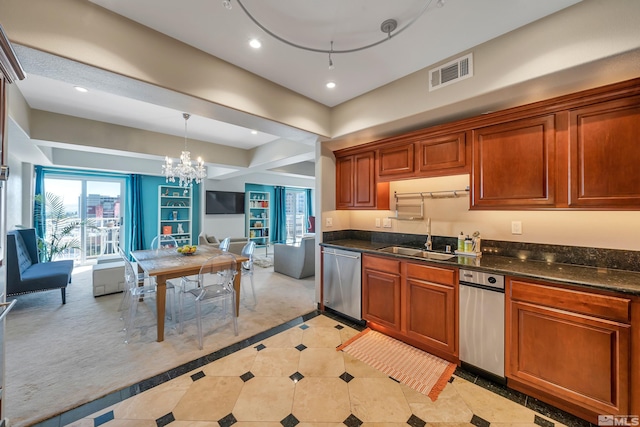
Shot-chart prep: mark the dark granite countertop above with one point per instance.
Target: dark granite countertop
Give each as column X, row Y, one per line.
column 627, row 282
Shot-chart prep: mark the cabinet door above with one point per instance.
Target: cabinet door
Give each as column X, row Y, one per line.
column 344, row 182
column 569, row 347
column 439, row 154
column 356, row 186
column 430, row 314
column 604, row 155
column 514, row 164
column 381, row 298
column 396, row 161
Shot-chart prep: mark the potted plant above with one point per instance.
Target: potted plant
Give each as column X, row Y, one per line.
column 60, row 227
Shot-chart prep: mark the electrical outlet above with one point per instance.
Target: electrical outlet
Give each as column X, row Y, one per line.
column 329, row 222
column 378, row 222
column 386, row 223
column 516, row 227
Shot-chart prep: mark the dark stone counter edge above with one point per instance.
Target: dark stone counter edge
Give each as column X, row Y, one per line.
column 620, row 281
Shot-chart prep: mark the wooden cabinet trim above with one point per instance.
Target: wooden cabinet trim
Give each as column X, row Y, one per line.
column 589, row 303
column 381, row 264
column 396, row 160
column 430, row 273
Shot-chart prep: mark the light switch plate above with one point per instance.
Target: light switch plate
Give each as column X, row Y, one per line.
column 516, row 227
column 329, row 222
column 386, row 223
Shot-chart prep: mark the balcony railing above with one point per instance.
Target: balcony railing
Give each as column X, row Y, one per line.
column 101, row 239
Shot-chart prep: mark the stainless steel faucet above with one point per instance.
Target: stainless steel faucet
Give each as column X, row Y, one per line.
column 428, row 244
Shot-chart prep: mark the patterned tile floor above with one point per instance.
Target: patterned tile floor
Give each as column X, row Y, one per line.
column 293, row 376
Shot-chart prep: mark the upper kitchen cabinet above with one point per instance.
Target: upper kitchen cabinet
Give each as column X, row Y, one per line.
column 442, row 154
column 604, row 155
column 356, row 183
column 514, row 164
column 397, row 160
column 422, row 154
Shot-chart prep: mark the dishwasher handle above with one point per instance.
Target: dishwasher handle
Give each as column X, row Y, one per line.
column 341, row 255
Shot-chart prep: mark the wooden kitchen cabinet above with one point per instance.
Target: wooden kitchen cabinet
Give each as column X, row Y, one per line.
column 381, row 283
column 430, row 308
column 514, row 164
column 604, row 154
column 442, row 154
column 569, row 347
column 356, row 184
column 396, row 160
column 413, row 302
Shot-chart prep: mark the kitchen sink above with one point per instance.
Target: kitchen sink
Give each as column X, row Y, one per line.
column 401, row 250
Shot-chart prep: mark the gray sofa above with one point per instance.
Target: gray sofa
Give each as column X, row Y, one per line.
column 235, row 245
column 295, row 260
column 25, row 272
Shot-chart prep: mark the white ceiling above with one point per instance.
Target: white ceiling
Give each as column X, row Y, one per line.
column 439, row 33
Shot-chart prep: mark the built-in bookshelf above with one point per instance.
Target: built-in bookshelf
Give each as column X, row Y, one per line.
column 257, row 214
column 174, row 213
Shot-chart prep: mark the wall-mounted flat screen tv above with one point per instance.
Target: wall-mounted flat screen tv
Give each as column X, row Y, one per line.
column 224, row 202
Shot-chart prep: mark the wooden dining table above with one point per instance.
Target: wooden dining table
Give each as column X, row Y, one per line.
column 166, row 264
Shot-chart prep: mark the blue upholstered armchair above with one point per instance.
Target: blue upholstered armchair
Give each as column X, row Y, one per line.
column 26, row 274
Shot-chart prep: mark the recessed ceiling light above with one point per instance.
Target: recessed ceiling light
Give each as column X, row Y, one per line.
column 255, row 43
column 331, row 85
column 81, row 89
column 254, row 132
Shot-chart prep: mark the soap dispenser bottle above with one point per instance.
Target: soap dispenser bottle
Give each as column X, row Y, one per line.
column 461, row 242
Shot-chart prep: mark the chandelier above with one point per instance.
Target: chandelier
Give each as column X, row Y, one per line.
column 185, row 171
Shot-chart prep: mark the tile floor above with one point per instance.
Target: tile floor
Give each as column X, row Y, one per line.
column 293, row 376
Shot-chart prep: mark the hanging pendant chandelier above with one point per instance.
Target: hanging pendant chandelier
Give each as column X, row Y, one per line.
column 185, row 171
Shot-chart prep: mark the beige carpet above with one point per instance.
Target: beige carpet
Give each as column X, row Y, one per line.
column 61, row 356
column 415, row 368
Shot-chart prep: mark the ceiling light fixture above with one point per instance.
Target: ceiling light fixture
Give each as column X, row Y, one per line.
column 255, row 43
column 388, row 26
column 185, row 171
column 81, row 89
column 331, row 85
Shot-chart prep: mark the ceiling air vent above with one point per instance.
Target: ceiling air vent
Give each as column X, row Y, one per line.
column 451, row 72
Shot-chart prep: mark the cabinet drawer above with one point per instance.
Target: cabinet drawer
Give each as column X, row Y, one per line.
column 431, row 274
column 381, row 264
column 602, row 306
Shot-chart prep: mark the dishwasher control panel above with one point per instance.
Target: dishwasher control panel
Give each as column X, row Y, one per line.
column 485, row 279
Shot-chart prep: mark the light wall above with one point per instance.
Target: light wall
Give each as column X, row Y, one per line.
column 601, row 229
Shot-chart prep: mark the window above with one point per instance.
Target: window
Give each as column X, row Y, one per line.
column 296, row 214
column 96, row 204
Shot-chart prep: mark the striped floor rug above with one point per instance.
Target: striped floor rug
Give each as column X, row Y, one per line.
column 415, row 368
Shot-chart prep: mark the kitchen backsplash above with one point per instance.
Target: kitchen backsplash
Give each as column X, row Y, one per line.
column 590, row 257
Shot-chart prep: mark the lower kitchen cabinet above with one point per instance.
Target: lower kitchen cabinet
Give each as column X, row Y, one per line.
column 568, row 347
column 381, row 283
column 430, row 307
column 413, row 302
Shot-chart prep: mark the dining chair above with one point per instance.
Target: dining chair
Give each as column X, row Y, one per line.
column 167, row 241
column 247, row 267
column 224, row 244
column 136, row 294
column 124, row 303
column 215, row 283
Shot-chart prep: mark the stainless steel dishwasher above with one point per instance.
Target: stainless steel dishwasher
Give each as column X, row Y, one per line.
column 482, row 323
column 342, row 288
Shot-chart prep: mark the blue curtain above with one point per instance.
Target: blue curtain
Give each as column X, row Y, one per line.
column 39, row 222
column 280, row 215
column 136, row 220
column 309, row 202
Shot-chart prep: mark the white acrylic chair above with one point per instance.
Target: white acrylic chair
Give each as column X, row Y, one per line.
column 247, row 267
column 224, row 244
column 136, row 294
column 167, row 242
column 124, row 303
column 215, row 283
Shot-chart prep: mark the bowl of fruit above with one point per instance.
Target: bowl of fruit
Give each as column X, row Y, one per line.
column 187, row 249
